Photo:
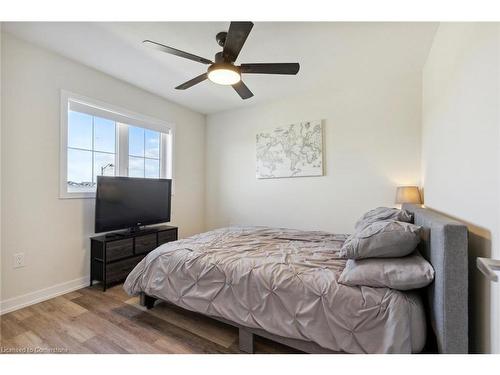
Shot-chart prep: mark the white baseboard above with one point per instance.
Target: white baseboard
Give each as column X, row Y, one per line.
column 28, row 299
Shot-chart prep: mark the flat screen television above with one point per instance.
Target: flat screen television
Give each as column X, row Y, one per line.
column 129, row 203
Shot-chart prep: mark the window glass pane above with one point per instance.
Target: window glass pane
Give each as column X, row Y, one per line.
column 79, row 130
column 104, row 165
column 135, row 141
column 104, row 135
column 79, row 171
column 152, row 143
column 135, row 167
column 152, row 168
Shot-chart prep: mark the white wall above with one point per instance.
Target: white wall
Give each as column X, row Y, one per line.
column 1, row 126
column 372, row 143
column 460, row 152
column 53, row 233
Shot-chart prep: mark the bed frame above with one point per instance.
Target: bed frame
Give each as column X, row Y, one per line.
column 444, row 245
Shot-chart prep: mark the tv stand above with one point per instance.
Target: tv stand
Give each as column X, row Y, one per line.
column 114, row 255
column 131, row 232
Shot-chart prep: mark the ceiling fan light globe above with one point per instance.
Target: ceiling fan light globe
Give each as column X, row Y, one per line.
column 224, row 75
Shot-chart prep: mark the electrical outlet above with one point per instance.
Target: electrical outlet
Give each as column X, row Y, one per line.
column 19, row 260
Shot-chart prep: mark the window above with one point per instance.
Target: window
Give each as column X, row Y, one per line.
column 99, row 139
column 143, row 153
column 91, row 150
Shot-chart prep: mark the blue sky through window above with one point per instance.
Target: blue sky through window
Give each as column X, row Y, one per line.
column 104, row 135
column 91, row 149
column 79, row 166
column 144, row 152
column 135, row 141
column 152, row 144
column 79, row 130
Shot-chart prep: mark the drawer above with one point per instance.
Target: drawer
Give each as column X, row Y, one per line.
column 144, row 244
column 167, row 236
column 119, row 270
column 119, row 249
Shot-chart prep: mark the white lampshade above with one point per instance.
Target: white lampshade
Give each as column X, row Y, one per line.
column 408, row 194
column 224, row 74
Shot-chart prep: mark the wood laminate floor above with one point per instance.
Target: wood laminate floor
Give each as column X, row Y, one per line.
column 90, row 321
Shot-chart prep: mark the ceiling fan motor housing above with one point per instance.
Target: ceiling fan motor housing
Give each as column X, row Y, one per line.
column 221, row 38
column 219, row 58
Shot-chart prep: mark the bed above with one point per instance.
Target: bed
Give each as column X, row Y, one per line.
column 282, row 284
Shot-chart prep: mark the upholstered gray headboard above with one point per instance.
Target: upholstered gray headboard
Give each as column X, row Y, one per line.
column 444, row 244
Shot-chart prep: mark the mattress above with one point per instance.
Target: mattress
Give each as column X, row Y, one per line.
column 282, row 281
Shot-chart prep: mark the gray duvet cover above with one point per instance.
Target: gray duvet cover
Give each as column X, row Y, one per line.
column 285, row 282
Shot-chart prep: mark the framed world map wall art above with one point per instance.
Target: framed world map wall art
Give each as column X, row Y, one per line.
column 295, row 150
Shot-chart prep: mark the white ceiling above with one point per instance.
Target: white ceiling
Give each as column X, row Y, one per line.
column 325, row 51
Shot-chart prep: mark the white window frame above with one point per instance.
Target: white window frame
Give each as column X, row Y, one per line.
column 122, row 117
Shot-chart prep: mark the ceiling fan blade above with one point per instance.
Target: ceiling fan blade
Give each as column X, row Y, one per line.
column 278, row 68
column 176, row 52
column 235, row 39
column 242, row 90
column 192, row 82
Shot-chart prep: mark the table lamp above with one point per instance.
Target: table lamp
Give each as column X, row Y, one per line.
column 408, row 194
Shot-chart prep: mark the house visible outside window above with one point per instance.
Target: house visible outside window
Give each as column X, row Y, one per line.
column 100, row 139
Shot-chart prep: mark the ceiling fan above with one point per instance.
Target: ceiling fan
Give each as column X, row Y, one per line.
column 223, row 71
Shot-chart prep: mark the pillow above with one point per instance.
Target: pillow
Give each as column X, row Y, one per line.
column 382, row 239
column 410, row 272
column 383, row 213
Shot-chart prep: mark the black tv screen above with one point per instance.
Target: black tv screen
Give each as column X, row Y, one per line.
column 127, row 202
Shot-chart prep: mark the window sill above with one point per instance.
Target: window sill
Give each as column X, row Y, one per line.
column 82, row 195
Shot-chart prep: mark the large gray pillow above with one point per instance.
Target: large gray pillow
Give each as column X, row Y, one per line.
column 382, row 239
column 383, row 213
column 410, row 272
